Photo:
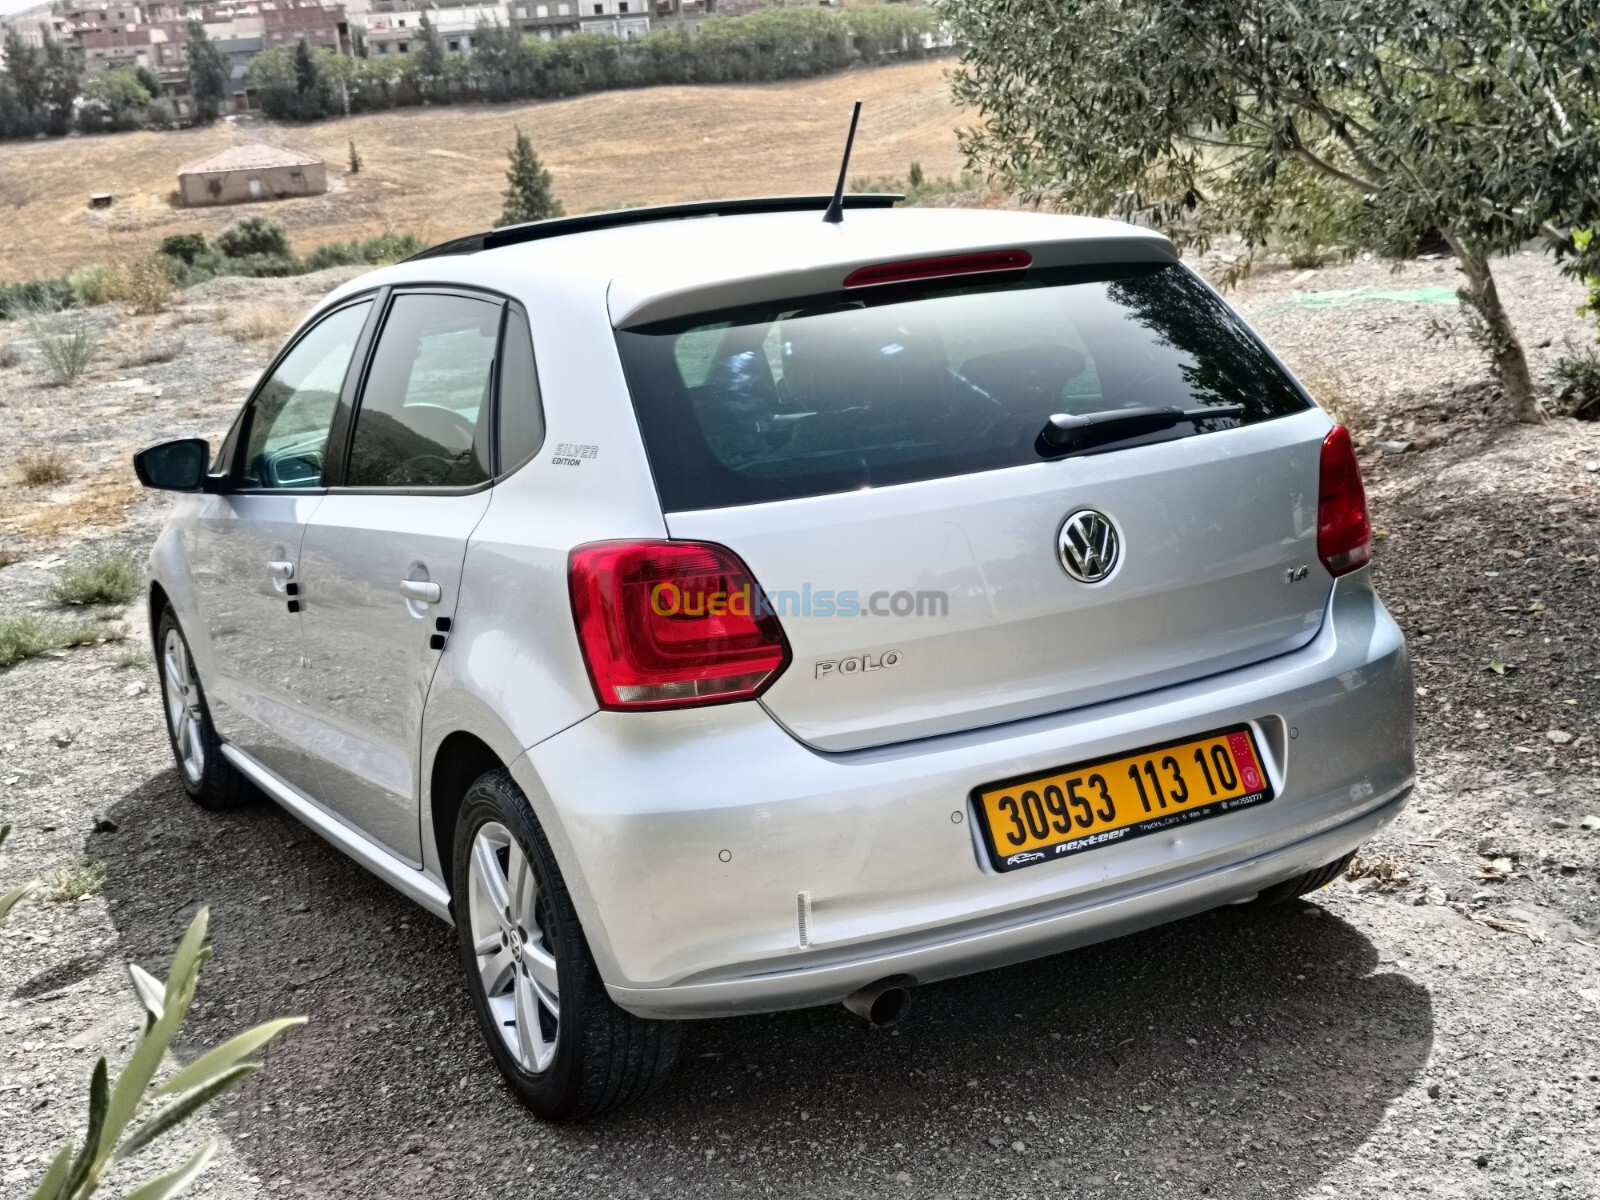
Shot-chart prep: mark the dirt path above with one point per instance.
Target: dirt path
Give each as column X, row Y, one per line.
column 1437, row 1039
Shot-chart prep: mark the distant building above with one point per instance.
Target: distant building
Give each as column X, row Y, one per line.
column 253, row 171
column 288, row 21
column 104, row 49
column 396, row 26
column 551, row 19
column 545, row 19
column 622, row 19
column 681, row 14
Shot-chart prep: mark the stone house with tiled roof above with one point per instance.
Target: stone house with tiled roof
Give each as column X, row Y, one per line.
column 253, row 171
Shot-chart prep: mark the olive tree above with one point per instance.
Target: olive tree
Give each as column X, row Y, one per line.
column 1475, row 118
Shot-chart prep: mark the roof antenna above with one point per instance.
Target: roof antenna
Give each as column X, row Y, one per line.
column 835, row 213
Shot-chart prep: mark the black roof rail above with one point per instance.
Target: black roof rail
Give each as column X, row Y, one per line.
column 535, row 231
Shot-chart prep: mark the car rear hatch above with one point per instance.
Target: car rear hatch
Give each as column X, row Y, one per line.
column 940, row 554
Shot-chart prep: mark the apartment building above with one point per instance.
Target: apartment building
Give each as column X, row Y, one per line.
column 288, row 21
column 395, row 26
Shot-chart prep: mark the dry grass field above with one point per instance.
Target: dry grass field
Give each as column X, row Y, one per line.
column 439, row 171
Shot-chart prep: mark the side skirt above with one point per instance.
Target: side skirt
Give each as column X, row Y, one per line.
column 398, row 874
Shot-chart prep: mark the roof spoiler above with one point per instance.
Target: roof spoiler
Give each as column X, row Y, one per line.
column 534, row 231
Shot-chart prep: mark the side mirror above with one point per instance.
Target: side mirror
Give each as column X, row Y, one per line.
column 175, row 466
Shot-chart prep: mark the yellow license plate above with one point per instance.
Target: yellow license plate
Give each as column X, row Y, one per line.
column 1111, row 800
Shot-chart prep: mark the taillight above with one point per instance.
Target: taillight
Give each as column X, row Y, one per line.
column 1344, row 534
column 672, row 624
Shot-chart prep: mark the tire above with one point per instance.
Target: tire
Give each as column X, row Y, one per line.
column 1304, row 885
column 584, row 1056
column 211, row 780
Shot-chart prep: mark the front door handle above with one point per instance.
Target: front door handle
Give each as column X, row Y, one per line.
column 281, row 570
column 421, row 591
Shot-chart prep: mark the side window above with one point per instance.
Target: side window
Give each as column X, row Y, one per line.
column 286, row 428
column 424, row 418
column 521, row 413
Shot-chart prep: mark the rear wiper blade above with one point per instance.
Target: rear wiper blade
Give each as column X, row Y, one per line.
column 1066, row 432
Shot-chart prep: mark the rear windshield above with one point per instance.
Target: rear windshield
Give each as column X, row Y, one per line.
column 841, row 392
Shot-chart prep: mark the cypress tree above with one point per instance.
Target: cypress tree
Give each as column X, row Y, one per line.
column 528, row 198
column 208, row 75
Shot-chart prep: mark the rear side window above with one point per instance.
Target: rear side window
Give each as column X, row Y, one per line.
column 835, row 393
column 521, row 417
column 425, row 415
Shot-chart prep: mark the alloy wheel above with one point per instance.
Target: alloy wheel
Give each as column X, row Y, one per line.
column 515, row 959
column 185, row 713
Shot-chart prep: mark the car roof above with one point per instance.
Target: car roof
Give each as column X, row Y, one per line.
column 658, row 269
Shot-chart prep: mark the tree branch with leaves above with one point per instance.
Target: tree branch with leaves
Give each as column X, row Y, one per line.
column 1478, row 119
column 114, row 1132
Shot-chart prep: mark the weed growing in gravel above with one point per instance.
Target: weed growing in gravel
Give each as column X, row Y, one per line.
column 1389, row 872
column 263, row 323
column 102, row 501
column 131, row 658
column 147, row 353
column 66, row 344
column 111, row 579
column 43, row 468
column 28, row 636
column 9, row 556
column 84, row 878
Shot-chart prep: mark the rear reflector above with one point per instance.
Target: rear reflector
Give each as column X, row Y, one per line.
column 935, row 268
column 672, row 624
column 1344, row 534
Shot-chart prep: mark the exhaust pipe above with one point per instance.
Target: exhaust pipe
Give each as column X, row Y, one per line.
column 883, row 1003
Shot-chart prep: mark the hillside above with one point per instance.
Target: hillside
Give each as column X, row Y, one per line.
column 439, row 171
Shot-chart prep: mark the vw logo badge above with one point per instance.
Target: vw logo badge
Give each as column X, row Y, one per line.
column 1088, row 546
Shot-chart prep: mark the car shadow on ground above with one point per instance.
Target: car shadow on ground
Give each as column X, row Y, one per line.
column 1239, row 1053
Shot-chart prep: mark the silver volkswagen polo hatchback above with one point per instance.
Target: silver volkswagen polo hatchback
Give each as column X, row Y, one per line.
column 715, row 609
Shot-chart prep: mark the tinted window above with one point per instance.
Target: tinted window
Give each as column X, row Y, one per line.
column 835, row 393
column 286, row 428
column 424, row 418
column 521, row 416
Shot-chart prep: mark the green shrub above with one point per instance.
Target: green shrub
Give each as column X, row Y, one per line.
column 334, row 254
column 29, row 635
column 67, row 345
column 264, row 266
column 111, row 579
column 92, row 285
column 385, row 248
column 1579, row 378
column 184, row 247
column 35, row 296
column 254, row 237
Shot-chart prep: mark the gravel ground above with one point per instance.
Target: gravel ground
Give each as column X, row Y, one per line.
column 1431, row 1028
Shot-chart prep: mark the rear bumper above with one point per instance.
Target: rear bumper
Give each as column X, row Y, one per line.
column 687, row 838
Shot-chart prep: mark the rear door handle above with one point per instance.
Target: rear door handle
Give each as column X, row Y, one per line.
column 420, row 590
column 281, row 570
